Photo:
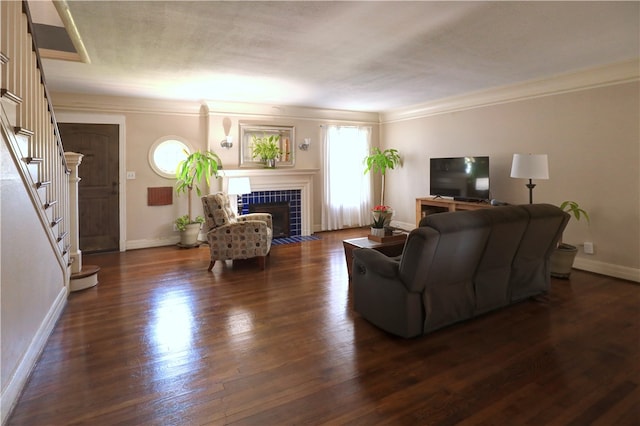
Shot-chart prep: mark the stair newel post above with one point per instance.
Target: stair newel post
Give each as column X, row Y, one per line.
column 73, row 161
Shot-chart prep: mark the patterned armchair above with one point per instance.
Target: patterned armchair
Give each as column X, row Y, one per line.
column 235, row 237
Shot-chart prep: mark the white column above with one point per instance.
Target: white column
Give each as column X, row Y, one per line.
column 73, row 161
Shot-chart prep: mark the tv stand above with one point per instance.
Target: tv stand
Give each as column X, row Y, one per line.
column 430, row 205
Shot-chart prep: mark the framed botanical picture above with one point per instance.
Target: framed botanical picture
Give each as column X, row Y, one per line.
column 267, row 145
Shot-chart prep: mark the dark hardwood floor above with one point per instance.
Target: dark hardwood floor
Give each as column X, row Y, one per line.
column 160, row 341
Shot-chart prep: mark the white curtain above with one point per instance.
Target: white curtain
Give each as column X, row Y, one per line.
column 347, row 190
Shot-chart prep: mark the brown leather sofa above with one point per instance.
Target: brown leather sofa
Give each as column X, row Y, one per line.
column 456, row 266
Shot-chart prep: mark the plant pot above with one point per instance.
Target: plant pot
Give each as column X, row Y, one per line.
column 378, row 232
column 270, row 163
column 562, row 260
column 189, row 237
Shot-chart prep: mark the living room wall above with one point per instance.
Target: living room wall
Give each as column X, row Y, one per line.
column 590, row 134
column 591, row 137
column 203, row 125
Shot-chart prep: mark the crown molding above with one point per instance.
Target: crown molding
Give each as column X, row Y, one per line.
column 258, row 111
column 612, row 74
column 120, row 104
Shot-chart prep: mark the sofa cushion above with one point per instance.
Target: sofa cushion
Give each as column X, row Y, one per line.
column 449, row 293
column 493, row 274
column 530, row 273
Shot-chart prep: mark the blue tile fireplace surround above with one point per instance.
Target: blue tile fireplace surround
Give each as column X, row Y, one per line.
column 292, row 196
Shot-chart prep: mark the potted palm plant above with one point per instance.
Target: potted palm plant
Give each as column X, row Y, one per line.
column 189, row 174
column 563, row 256
column 267, row 148
column 380, row 161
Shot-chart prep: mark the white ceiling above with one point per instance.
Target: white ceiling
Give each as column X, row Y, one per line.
column 366, row 56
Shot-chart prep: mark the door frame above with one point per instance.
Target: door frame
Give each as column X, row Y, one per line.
column 89, row 118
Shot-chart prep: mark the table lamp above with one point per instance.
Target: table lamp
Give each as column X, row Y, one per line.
column 530, row 166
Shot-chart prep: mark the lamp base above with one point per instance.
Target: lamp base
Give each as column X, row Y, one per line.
column 530, row 185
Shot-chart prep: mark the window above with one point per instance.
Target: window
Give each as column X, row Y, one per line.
column 347, row 190
column 166, row 153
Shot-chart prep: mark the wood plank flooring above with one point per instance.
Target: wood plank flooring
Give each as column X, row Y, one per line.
column 160, row 341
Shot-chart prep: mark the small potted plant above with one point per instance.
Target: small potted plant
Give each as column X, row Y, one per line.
column 381, row 219
column 267, row 148
column 183, row 221
column 563, row 256
column 380, row 161
column 189, row 174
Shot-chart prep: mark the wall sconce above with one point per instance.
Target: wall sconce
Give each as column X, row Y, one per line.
column 227, row 142
column 305, row 145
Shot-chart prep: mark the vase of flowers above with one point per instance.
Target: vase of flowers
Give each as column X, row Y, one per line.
column 381, row 219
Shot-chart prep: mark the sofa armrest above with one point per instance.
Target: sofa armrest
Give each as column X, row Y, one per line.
column 376, row 262
column 380, row 296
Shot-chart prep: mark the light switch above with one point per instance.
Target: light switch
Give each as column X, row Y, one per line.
column 131, row 175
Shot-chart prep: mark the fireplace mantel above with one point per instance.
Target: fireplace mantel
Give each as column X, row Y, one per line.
column 270, row 173
column 281, row 179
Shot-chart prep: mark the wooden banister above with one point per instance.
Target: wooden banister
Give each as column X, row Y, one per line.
column 31, row 125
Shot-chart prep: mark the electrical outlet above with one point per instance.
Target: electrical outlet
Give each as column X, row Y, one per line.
column 588, row 247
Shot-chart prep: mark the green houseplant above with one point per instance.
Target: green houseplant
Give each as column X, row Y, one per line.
column 380, row 161
column 564, row 255
column 189, row 174
column 267, row 148
column 183, row 221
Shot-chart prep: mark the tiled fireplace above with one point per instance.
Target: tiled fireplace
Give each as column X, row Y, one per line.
column 294, row 186
column 276, row 200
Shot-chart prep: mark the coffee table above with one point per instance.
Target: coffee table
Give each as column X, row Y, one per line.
column 391, row 248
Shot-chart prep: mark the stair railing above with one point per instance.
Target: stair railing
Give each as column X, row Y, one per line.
column 33, row 133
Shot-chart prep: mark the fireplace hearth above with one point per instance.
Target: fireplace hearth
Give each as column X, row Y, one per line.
column 279, row 215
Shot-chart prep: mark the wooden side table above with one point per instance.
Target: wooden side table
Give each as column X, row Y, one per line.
column 391, row 248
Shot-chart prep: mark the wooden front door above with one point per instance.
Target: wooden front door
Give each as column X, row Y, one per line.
column 98, row 189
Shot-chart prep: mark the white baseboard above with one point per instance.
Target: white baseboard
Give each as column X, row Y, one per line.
column 11, row 393
column 624, row 272
column 157, row 242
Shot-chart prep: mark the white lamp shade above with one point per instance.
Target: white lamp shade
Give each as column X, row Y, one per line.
column 239, row 186
column 530, row 166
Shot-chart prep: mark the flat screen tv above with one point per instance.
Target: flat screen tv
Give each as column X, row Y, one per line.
column 463, row 178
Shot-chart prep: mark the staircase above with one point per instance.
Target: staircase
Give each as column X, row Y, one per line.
column 30, row 128
column 32, row 133
column 40, row 258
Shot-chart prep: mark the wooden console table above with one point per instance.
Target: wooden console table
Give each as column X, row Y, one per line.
column 429, row 205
